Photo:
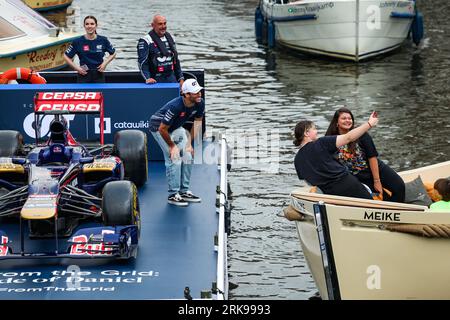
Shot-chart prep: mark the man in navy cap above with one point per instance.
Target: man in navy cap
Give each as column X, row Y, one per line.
column 166, row 126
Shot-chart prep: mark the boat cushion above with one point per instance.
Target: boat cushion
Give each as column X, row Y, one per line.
column 315, row 189
column 432, row 192
column 415, row 192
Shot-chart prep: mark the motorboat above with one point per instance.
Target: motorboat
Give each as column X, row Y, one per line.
column 40, row 5
column 345, row 29
column 369, row 249
column 29, row 40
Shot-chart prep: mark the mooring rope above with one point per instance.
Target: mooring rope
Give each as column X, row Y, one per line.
column 424, row 230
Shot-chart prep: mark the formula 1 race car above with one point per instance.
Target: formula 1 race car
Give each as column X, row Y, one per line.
column 59, row 188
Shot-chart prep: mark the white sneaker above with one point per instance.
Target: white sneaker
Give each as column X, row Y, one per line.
column 190, row 197
column 177, row 200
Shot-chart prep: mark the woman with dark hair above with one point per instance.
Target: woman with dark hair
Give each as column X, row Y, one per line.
column 90, row 49
column 315, row 161
column 360, row 158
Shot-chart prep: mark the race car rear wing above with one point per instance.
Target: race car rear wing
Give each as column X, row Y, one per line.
column 56, row 103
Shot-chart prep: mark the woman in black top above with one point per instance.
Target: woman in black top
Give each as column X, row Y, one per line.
column 315, row 161
column 360, row 158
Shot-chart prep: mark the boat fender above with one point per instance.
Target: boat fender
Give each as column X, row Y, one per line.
column 417, row 28
column 228, row 218
column 264, row 31
column 258, row 24
column 271, row 34
column 23, row 74
column 292, row 214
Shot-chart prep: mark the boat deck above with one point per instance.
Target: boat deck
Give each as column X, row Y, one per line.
column 176, row 250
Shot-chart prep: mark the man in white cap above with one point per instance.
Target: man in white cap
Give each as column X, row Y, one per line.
column 166, row 126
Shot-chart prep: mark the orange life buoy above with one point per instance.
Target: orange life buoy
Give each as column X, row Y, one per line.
column 22, row 73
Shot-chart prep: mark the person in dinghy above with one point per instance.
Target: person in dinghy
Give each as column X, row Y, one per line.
column 361, row 159
column 315, row 161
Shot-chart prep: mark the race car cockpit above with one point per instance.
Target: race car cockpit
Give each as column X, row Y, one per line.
column 57, row 151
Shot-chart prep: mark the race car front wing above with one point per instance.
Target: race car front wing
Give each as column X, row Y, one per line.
column 120, row 242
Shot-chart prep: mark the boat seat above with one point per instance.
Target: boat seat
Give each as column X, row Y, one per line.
column 315, row 189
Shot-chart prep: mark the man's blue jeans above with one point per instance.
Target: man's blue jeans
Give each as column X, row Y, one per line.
column 178, row 172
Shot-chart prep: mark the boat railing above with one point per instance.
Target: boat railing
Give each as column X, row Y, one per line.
column 222, row 275
column 355, row 202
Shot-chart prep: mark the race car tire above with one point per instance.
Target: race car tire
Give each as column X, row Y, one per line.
column 120, row 204
column 11, row 143
column 131, row 147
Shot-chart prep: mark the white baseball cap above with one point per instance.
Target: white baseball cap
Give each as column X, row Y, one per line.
column 191, row 86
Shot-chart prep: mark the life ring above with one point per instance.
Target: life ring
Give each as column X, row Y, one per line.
column 22, row 73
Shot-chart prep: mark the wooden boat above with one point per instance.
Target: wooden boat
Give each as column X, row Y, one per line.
column 29, row 40
column 360, row 249
column 346, row 29
column 48, row 5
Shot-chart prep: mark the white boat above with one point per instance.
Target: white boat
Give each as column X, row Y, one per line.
column 360, row 249
column 345, row 29
column 29, row 40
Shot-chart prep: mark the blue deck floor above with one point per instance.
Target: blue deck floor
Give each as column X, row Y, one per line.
column 176, row 250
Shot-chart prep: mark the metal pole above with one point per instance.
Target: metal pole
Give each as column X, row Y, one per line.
column 222, row 277
column 357, row 31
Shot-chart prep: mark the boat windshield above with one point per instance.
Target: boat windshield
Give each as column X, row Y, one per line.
column 31, row 13
column 8, row 30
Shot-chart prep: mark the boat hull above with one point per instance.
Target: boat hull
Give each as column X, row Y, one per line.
column 43, row 59
column 40, row 5
column 359, row 252
column 28, row 40
column 351, row 30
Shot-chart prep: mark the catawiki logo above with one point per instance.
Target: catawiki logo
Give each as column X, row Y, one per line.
column 106, row 128
column 119, row 125
column 132, row 125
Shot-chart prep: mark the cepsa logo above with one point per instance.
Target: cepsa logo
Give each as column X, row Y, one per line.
column 29, row 125
column 69, row 96
column 68, row 101
column 71, row 107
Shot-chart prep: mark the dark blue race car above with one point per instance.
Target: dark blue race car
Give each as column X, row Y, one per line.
column 55, row 186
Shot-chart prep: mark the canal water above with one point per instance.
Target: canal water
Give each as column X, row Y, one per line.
column 256, row 96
